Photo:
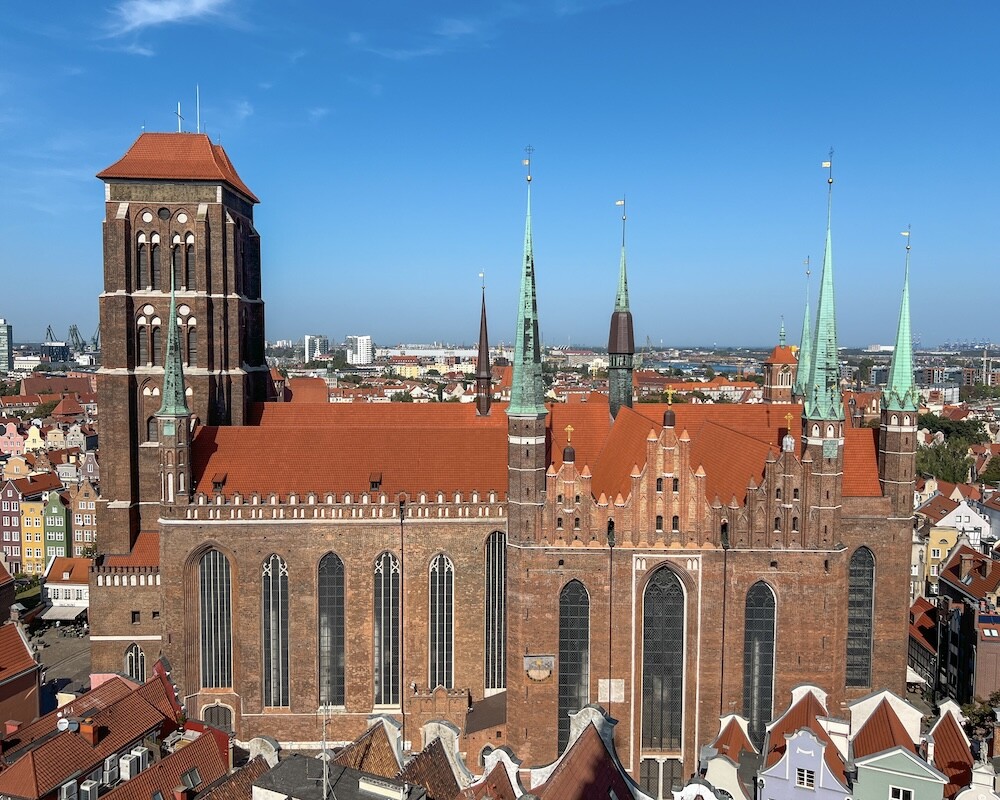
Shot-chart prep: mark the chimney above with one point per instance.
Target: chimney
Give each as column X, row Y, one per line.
column 11, row 726
column 182, row 793
column 966, row 565
column 88, row 730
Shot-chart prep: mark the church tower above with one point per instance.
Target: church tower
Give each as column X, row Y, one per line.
column 900, row 407
column 176, row 212
column 484, row 373
column 526, row 412
column 173, row 419
column 621, row 340
column 823, row 412
column 780, row 371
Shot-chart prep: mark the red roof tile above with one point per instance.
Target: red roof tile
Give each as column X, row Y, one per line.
column 881, row 731
column 923, row 628
column 15, row 655
column 586, row 772
column 804, row 714
column 5, row 576
column 976, row 584
column 937, row 508
column 239, row 784
column 68, row 570
column 732, row 741
column 371, row 752
column 431, row 769
column 782, row 354
column 308, row 390
column 861, row 463
column 36, row 484
column 165, row 774
column 176, row 156
column 145, row 552
column 951, row 754
column 495, row 786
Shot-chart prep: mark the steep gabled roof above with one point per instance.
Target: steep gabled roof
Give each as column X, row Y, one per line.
column 923, row 628
column 431, row 769
column 951, row 753
column 371, row 752
column 176, row 156
column 15, row 655
column 163, row 775
column 976, row 584
column 803, row 714
column 881, row 731
column 239, row 784
column 586, row 772
column 732, row 741
column 495, row 786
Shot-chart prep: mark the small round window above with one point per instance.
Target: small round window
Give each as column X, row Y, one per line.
column 163, row 214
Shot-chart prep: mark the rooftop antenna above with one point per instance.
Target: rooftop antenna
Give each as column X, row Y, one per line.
column 179, row 117
column 197, row 105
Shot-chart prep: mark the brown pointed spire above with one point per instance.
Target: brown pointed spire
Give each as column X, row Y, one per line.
column 484, row 374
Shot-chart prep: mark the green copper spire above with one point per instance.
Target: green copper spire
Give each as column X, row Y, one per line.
column 781, row 333
column 527, row 394
column 174, row 401
column 900, row 392
column 805, row 347
column 822, row 397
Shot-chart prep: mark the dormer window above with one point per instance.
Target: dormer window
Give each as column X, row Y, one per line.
column 218, row 482
column 375, row 481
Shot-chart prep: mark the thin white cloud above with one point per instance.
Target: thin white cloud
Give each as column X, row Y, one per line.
column 452, row 28
column 243, row 110
column 316, row 114
column 134, row 15
column 136, row 49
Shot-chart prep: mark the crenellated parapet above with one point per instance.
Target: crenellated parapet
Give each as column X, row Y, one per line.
column 125, row 576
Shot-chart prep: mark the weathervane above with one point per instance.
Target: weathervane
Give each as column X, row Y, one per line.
column 527, row 162
column 624, row 217
column 829, row 165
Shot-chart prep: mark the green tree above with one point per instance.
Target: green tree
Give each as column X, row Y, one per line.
column 401, row 397
column 969, row 429
column 42, row 410
column 949, row 461
column 980, row 717
column 992, row 472
column 865, row 369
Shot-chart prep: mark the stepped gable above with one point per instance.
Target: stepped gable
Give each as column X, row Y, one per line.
column 495, row 786
column 163, row 775
column 318, row 448
column 804, row 714
column 371, row 752
column 145, row 553
column 586, row 772
column 431, row 769
column 177, row 156
column 952, row 755
column 881, row 731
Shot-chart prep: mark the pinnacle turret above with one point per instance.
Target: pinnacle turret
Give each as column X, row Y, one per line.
column 174, row 393
column 900, row 391
column 805, row 349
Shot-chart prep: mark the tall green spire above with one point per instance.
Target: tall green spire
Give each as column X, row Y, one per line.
column 527, row 394
column 900, row 392
column 621, row 298
column 781, row 333
column 805, row 347
column 174, row 400
column 822, row 397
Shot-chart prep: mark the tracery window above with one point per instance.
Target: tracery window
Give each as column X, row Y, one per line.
column 330, row 589
column 441, row 591
column 860, row 608
column 758, row 659
column 135, row 663
column 496, row 612
column 154, row 279
column 274, row 615
column 662, row 662
column 574, row 655
column 386, row 630
column 216, row 620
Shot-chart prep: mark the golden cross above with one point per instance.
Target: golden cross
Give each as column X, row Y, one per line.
column 569, row 433
column 788, row 419
column 670, row 395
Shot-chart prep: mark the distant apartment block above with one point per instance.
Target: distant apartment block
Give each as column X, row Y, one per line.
column 315, row 346
column 360, row 350
column 6, row 346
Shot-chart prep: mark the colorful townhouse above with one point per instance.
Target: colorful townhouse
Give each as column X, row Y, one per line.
column 32, row 534
column 83, row 507
column 58, row 531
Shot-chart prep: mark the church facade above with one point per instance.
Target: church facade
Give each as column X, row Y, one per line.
column 305, row 566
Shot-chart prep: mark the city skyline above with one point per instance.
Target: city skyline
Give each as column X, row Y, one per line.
column 712, row 124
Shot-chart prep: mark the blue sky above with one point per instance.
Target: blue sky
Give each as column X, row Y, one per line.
column 384, row 140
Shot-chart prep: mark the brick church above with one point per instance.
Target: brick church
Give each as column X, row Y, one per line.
column 305, row 566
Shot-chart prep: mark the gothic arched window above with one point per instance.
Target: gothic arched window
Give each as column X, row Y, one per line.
column 157, row 346
column 496, row 612
column 189, row 263
column 154, row 279
column 330, row 590
column 441, row 596
column 192, row 345
column 758, row 659
column 274, row 613
column 152, row 430
column 662, row 662
column 386, row 630
column 860, row 610
column 175, row 265
column 142, row 267
column 216, row 620
column 142, row 339
column 574, row 655
column 135, row 663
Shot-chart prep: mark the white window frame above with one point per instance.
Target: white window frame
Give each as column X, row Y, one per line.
column 806, row 778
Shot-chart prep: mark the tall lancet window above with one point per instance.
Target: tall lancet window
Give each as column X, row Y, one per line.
column 189, row 263
column 135, row 663
column 442, row 622
column 662, row 662
column 331, row 630
column 274, row 615
column 154, row 280
column 386, row 630
column 860, row 610
column 758, row 659
column 216, row 623
column 496, row 612
column 574, row 655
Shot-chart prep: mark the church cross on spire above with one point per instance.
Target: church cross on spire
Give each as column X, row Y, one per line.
column 527, row 394
column 174, row 395
column 822, row 395
column 900, row 391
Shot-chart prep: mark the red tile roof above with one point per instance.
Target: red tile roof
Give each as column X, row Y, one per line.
column 732, row 741
column 976, row 584
column 15, row 655
column 68, row 570
column 308, row 390
column 431, row 769
column 145, row 552
column 951, row 754
column 782, row 354
column 36, row 484
column 923, row 628
column 804, row 714
column 586, row 772
column 415, row 447
column 937, row 508
column 371, row 752
column 238, row 785
column 495, row 786
column 5, row 576
column 881, row 731
column 176, row 156
column 163, row 775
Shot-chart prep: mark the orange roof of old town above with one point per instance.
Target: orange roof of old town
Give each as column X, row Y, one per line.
column 177, row 156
